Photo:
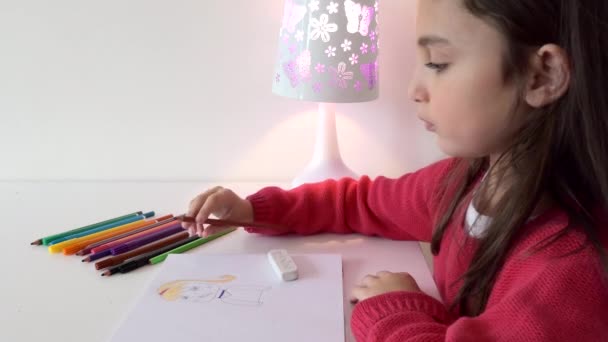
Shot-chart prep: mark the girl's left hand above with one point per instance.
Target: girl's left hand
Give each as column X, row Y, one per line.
column 381, row 283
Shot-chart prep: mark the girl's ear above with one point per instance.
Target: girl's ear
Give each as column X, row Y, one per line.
column 549, row 76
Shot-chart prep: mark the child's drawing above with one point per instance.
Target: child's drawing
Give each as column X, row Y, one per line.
column 201, row 290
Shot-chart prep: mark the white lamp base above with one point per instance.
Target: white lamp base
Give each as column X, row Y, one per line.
column 326, row 162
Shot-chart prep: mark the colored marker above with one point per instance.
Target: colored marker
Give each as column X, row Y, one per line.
column 131, row 238
column 97, row 256
column 154, row 246
column 106, row 250
column 88, row 249
column 78, row 244
column 101, row 228
column 44, row 241
column 144, row 240
column 144, row 259
column 160, row 258
column 59, row 246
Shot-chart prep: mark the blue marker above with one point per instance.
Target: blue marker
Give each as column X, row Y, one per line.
column 101, row 228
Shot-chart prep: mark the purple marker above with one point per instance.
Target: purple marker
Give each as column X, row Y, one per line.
column 97, row 255
column 146, row 239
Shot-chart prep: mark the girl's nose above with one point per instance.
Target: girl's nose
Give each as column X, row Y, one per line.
column 416, row 93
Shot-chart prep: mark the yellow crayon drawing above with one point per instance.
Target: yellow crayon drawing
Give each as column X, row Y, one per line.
column 206, row 290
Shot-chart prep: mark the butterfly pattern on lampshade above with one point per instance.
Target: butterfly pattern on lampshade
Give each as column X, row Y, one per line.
column 292, row 15
column 328, row 51
column 359, row 17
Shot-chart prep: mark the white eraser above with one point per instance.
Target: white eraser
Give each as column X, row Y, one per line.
column 283, row 264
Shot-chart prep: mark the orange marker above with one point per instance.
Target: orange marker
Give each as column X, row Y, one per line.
column 74, row 245
column 115, row 243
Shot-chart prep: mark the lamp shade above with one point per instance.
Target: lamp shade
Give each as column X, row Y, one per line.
column 328, row 51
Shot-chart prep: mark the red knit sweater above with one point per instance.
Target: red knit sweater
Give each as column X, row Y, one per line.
column 550, row 295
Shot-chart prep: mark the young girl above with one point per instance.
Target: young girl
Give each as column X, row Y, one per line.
column 515, row 92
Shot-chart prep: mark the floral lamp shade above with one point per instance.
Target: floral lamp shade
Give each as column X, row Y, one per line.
column 328, row 51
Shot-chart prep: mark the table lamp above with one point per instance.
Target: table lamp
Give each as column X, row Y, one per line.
column 328, row 53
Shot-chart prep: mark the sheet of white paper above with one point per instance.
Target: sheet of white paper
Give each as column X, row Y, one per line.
column 238, row 298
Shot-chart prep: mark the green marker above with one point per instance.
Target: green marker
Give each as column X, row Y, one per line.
column 160, row 258
column 46, row 240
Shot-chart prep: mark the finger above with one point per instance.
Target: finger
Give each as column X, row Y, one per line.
column 406, row 275
column 369, row 280
column 212, row 204
column 384, row 273
column 411, row 281
column 194, row 207
column 200, row 229
column 215, row 203
column 212, row 230
column 357, row 294
column 197, row 203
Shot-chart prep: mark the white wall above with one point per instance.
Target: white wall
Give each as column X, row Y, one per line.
column 180, row 90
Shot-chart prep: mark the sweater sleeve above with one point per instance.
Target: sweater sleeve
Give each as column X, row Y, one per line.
column 392, row 208
column 564, row 301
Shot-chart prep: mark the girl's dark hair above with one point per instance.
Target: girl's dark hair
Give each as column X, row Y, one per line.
column 562, row 149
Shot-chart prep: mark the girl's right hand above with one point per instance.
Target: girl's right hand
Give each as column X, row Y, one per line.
column 221, row 203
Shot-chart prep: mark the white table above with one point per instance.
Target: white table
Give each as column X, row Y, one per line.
column 58, row 298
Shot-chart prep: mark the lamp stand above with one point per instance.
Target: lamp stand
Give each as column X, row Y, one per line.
column 326, row 161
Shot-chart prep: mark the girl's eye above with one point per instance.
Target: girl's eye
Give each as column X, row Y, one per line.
column 436, row 67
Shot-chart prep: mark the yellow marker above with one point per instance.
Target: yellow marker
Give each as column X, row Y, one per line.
column 58, row 247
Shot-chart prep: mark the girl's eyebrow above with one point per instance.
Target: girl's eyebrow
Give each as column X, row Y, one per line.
column 425, row 41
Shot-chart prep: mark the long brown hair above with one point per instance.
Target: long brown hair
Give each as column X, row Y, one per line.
column 562, row 149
